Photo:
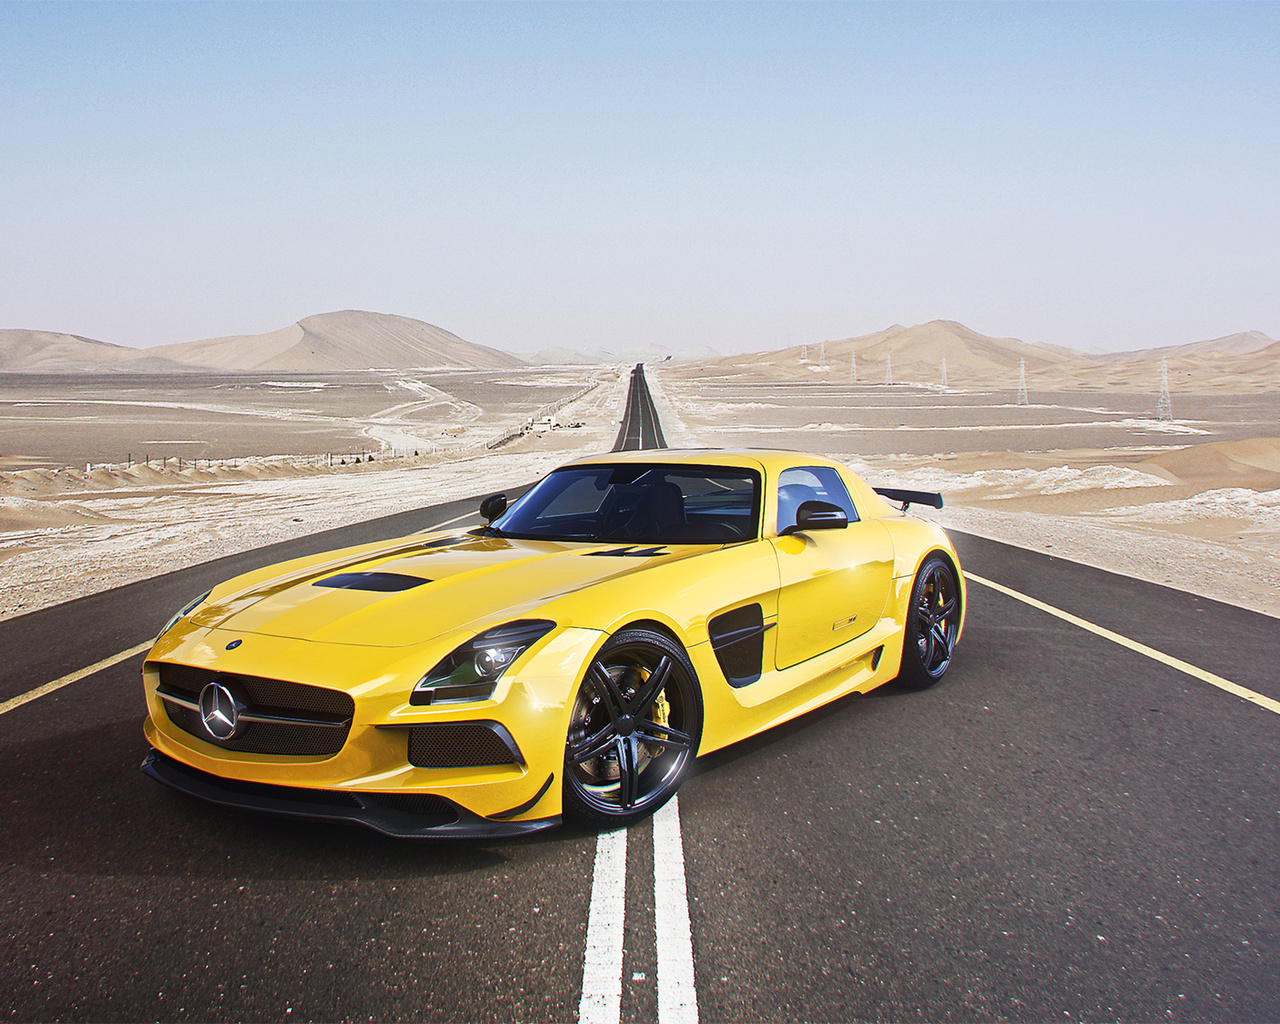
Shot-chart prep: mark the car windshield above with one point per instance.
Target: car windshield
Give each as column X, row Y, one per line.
column 639, row 503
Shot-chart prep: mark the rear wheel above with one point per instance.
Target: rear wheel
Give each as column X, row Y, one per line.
column 933, row 623
column 636, row 723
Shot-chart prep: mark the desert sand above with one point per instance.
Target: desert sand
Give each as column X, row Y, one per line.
column 1080, row 464
column 1093, row 477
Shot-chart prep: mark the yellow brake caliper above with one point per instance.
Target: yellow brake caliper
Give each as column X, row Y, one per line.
column 659, row 713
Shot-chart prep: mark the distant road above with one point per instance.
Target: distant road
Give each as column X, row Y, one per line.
column 1064, row 828
column 640, row 427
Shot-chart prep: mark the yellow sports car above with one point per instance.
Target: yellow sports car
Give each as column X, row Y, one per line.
column 571, row 658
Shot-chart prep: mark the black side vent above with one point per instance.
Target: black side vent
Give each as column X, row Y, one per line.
column 737, row 637
column 381, row 582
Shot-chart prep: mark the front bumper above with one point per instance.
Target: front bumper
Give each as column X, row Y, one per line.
column 393, row 814
column 378, row 765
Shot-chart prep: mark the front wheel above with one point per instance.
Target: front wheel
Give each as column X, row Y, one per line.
column 933, row 623
column 635, row 728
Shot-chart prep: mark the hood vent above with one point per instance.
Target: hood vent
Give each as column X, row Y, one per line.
column 632, row 551
column 380, row 582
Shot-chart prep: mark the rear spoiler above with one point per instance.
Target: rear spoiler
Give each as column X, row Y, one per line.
column 909, row 498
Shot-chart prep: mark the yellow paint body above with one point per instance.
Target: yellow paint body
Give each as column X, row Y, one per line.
column 838, row 600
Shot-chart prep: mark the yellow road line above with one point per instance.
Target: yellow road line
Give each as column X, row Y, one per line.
column 449, row 522
column 74, row 677
column 115, row 659
column 1133, row 645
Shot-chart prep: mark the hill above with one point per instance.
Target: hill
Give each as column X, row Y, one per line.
column 49, row 352
column 346, row 340
column 904, row 354
column 1242, row 343
column 915, row 354
column 327, row 342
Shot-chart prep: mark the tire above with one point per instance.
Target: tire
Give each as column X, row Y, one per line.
column 633, row 732
column 933, row 623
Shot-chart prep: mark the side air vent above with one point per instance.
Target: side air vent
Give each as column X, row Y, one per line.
column 381, row 582
column 737, row 637
column 462, row 745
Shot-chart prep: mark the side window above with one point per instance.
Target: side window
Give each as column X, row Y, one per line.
column 812, row 483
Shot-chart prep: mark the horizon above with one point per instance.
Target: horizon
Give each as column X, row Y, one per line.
column 643, row 346
column 746, row 177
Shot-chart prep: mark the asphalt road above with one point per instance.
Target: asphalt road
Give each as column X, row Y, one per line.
column 1062, row 829
column 640, row 425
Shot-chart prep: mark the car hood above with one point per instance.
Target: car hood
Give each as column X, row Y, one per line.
column 410, row 591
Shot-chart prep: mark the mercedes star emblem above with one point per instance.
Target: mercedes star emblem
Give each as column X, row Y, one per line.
column 219, row 710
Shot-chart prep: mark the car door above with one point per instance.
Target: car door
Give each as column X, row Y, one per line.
column 833, row 583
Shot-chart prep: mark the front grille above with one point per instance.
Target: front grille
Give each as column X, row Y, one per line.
column 461, row 745
column 272, row 693
column 320, row 717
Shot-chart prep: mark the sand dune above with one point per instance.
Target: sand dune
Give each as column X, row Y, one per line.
column 346, row 340
column 917, row 355
column 50, row 352
column 1253, row 463
column 901, row 354
column 1241, row 344
column 328, row 342
column 358, row 340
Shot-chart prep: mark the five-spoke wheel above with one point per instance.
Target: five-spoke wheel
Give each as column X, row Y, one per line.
column 635, row 727
column 933, row 623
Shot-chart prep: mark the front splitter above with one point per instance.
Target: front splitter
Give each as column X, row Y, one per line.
column 443, row 820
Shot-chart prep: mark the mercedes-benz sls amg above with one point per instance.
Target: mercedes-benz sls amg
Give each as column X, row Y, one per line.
column 568, row 659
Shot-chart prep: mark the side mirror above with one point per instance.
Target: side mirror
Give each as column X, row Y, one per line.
column 818, row 515
column 493, row 506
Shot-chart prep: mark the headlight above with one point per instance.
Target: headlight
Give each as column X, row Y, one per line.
column 471, row 671
column 185, row 610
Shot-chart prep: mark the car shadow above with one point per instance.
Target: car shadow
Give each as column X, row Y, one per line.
column 79, row 805
column 709, row 763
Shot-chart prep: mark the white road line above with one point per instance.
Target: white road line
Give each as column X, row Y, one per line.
column 74, row 677
column 1165, row 659
column 677, row 991
column 602, row 965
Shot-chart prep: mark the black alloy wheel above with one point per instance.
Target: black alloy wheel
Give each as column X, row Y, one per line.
column 933, row 623
column 635, row 728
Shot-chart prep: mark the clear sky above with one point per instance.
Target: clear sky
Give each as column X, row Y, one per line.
column 738, row 175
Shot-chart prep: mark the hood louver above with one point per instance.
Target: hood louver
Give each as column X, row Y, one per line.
column 380, row 582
